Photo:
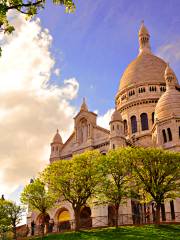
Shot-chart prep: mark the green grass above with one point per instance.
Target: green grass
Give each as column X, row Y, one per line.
column 148, row 232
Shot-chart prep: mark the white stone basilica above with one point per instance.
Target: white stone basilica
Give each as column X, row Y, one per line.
column 147, row 114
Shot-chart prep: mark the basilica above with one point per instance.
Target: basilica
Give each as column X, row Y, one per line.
column 147, row 113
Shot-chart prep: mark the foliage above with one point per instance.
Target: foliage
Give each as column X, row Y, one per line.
column 115, row 186
column 29, row 8
column 11, row 215
column 37, row 196
column 167, row 232
column 156, row 173
column 75, row 180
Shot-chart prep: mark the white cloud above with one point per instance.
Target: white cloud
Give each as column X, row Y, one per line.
column 57, row 72
column 31, row 109
column 170, row 52
column 104, row 120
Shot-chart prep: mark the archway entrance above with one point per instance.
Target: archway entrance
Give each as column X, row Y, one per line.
column 85, row 217
column 63, row 219
column 42, row 220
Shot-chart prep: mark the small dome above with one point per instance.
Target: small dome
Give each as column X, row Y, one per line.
column 143, row 30
column 57, row 138
column 116, row 116
column 145, row 69
column 168, row 104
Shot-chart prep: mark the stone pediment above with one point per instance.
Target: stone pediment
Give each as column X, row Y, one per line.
column 99, row 136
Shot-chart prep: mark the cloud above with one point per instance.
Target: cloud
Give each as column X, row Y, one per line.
column 170, row 52
column 103, row 120
column 31, row 109
column 57, row 72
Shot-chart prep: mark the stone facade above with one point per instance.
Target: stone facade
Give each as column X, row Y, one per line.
column 147, row 114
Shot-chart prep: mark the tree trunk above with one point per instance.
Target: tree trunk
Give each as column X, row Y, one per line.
column 43, row 224
column 77, row 218
column 158, row 208
column 116, row 215
column 14, row 232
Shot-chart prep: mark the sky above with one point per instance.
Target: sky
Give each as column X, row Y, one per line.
column 51, row 62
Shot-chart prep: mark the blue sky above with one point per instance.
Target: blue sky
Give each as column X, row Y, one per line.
column 98, row 41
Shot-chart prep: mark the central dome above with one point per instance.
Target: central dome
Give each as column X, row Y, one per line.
column 145, row 69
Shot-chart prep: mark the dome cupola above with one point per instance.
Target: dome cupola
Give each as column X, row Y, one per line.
column 57, row 138
column 116, row 116
column 169, row 103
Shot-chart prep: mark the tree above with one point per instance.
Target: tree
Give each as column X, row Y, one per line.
column 74, row 180
column 157, row 173
column 29, row 8
column 11, row 215
column 4, row 221
column 37, row 196
column 115, row 185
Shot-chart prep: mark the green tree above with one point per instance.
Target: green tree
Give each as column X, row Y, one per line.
column 11, row 215
column 4, row 221
column 115, row 186
column 37, row 197
column 75, row 180
column 29, row 8
column 157, row 174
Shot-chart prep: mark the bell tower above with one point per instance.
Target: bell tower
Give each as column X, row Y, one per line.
column 56, row 147
column 117, row 137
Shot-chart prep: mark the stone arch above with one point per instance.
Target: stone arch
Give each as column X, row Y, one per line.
column 169, row 134
column 144, row 121
column 39, row 219
column 83, row 130
column 164, row 136
column 63, row 219
column 133, row 124
column 85, row 217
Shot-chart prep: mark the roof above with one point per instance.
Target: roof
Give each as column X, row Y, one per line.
column 145, row 69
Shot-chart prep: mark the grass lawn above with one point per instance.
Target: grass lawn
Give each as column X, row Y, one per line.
column 163, row 232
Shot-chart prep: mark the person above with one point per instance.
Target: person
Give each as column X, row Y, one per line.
column 32, row 228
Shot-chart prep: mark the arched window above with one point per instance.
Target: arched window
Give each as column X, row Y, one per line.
column 113, row 127
column 179, row 132
column 169, row 134
column 144, row 121
column 114, row 146
column 164, row 136
column 133, row 124
column 125, row 127
column 153, row 118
